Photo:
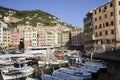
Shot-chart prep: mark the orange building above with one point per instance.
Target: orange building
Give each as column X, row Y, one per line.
column 106, row 25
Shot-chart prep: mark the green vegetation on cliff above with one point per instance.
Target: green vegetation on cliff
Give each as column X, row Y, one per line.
column 32, row 17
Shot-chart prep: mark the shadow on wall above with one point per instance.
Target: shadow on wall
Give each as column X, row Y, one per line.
column 76, row 42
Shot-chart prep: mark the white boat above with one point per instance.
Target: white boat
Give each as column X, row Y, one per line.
column 58, row 62
column 14, row 73
column 43, row 63
column 83, row 74
column 45, row 51
column 4, row 61
column 65, row 76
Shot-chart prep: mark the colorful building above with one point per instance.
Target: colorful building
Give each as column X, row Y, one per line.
column 14, row 39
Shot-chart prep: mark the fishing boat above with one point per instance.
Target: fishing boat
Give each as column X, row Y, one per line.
column 96, row 64
column 84, row 68
column 49, row 77
column 83, row 74
column 65, row 76
column 14, row 73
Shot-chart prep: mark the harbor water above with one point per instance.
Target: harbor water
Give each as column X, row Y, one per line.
column 113, row 72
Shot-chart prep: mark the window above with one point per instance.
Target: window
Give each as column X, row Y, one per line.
column 100, row 18
column 95, row 19
column 95, row 12
column 112, row 31
column 99, row 10
column 105, row 15
column 112, row 23
column 105, row 7
column 107, row 24
column 96, row 34
column 107, row 41
column 100, row 26
column 111, row 13
column 100, row 33
column 111, row 5
column 113, row 40
column 106, row 32
column 119, row 3
column 95, row 27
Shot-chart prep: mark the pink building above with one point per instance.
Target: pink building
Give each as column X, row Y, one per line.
column 14, row 39
column 41, row 38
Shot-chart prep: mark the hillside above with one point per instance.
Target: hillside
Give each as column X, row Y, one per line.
column 32, row 18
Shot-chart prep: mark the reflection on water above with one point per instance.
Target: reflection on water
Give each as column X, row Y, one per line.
column 113, row 71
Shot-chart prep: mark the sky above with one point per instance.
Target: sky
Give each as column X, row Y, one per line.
column 70, row 11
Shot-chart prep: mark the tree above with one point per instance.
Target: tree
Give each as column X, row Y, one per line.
column 21, row 45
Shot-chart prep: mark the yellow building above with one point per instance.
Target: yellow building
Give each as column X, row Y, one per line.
column 65, row 38
column 6, row 37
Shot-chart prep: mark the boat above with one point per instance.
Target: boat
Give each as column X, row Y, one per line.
column 4, row 61
column 58, row 61
column 14, row 73
column 31, row 78
column 84, row 68
column 83, row 74
column 65, row 76
column 96, row 64
column 49, row 77
column 45, row 51
column 43, row 63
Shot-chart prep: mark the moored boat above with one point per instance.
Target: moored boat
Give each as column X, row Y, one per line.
column 83, row 74
column 49, row 77
column 14, row 73
column 65, row 76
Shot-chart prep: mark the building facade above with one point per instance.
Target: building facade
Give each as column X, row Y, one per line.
column 14, row 39
column 6, row 37
column 65, row 38
column 77, row 37
column 1, row 35
column 41, row 37
column 88, row 30
column 106, row 22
